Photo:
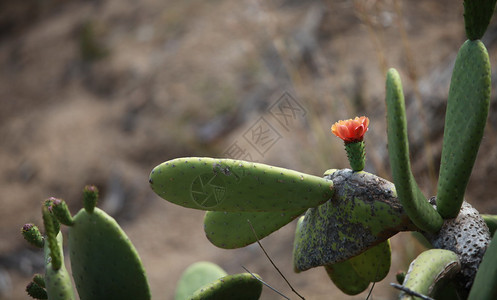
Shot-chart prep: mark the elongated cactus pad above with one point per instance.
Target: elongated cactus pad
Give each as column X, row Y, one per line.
column 105, row 264
column 57, row 282
column 231, row 230
column 363, row 212
column 429, row 269
column 477, row 15
column 239, row 286
column 235, row 185
column 485, row 283
column 346, row 278
column 196, row 276
column 467, row 110
column 417, row 207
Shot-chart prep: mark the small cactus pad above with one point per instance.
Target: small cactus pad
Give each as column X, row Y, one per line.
column 231, row 230
column 32, row 235
column 363, row 212
column 196, row 276
column 57, row 281
column 373, row 264
column 239, row 286
column 466, row 116
column 346, row 278
column 35, row 291
column 90, row 197
column 104, row 262
column 417, row 207
column 428, row 269
column 235, row 185
column 477, row 15
column 485, row 283
column 61, row 212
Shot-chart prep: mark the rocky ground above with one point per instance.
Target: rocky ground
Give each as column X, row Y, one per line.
column 102, row 91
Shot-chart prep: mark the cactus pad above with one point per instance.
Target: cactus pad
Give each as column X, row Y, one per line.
column 373, row 264
column 196, row 276
column 467, row 110
column 417, row 207
column 57, row 282
column 239, row 286
column 477, row 15
column 235, row 185
column 346, row 278
column 428, row 269
column 231, row 230
column 104, row 263
column 363, row 212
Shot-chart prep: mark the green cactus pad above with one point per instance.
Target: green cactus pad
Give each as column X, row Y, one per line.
column 235, row 185
column 485, row 284
column 346, row 278
column 429, row 269
column 52, row 228
column 231, row 230
column 35, row 291
column 104, row 262
column 239, row 286
column 477, row 15
column 32, row 235
column 491, row 221
column 416, row 205
column 61, row 212
column 467, row 110
column 374, row 264
column 196, row 276
column 57, row 282
column 363, row 212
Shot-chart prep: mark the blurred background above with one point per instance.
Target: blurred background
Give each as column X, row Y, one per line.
column 99, row 92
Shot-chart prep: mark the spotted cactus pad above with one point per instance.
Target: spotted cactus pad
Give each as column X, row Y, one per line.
column 235, row 185
column 363, row 212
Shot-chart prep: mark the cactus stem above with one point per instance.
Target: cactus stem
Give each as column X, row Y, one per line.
column 48, row 221
column 90, row 197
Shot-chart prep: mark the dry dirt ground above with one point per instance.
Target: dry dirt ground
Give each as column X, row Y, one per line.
column 99, row 92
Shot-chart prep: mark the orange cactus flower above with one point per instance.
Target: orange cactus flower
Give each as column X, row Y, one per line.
column 352, row 130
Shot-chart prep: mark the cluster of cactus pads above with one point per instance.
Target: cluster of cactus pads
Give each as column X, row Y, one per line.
column 349, row 215
column 345, row 217
column 105, row 264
